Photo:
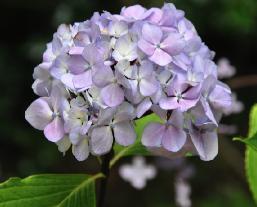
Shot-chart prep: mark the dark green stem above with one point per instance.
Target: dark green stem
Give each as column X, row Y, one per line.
column 105, row 169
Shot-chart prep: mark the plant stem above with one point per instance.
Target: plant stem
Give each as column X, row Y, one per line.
column 243, row 81
column 105, row 169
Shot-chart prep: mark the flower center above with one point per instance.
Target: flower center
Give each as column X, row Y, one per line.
column 158, row 46
column 179, row 97
column 55, row 114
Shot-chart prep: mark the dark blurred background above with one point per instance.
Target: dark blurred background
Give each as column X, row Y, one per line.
column 229, row 27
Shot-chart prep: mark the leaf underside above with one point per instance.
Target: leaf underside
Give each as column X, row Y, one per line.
column 49, row 190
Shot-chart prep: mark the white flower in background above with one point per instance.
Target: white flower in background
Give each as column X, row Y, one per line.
column 138, row 172
column 236, row 106
column 225, row 69
column 182, row 191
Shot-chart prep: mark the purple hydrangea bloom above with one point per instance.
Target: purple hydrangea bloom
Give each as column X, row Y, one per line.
column 98, row 76
column 169, row 135
column 160, row 47
column 180, row 95
column 45, row 113
column 113, row 121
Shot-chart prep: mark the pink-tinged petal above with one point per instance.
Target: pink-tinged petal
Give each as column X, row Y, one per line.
column 135, row 12
column 101, row 140
column 39, row 114
column 206, row 144
column 160, row 57
column 169, row 103
column 76, row 50
column 148, row 86
column 153, row 134
column 169, row 17
column 112, row 95
column 146, row 47
column 143, row 107
column 83, row 81
column 152, row 33
column 103, row 77
column 173, row 139
column 173, row 44
column 55, row 130
column 185, row 104
column 81, row 150
column 124, row 133
column 154, row 15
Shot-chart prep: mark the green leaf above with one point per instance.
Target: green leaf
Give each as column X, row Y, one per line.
column 251, row 170
column 252, row 134
column 253, row 121
column 49, row 190
column 251, row 155
column 137, row 148
column 251, row 141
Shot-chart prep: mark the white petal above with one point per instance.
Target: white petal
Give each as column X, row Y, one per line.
column 81, row 150
column 101, row 140
column 64, row 144
column 39, row 113
column 124, row 133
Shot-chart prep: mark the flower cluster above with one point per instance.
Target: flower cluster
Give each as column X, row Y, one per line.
column 99, row 75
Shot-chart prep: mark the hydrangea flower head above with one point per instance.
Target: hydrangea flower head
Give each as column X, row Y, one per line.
column 98, row 76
